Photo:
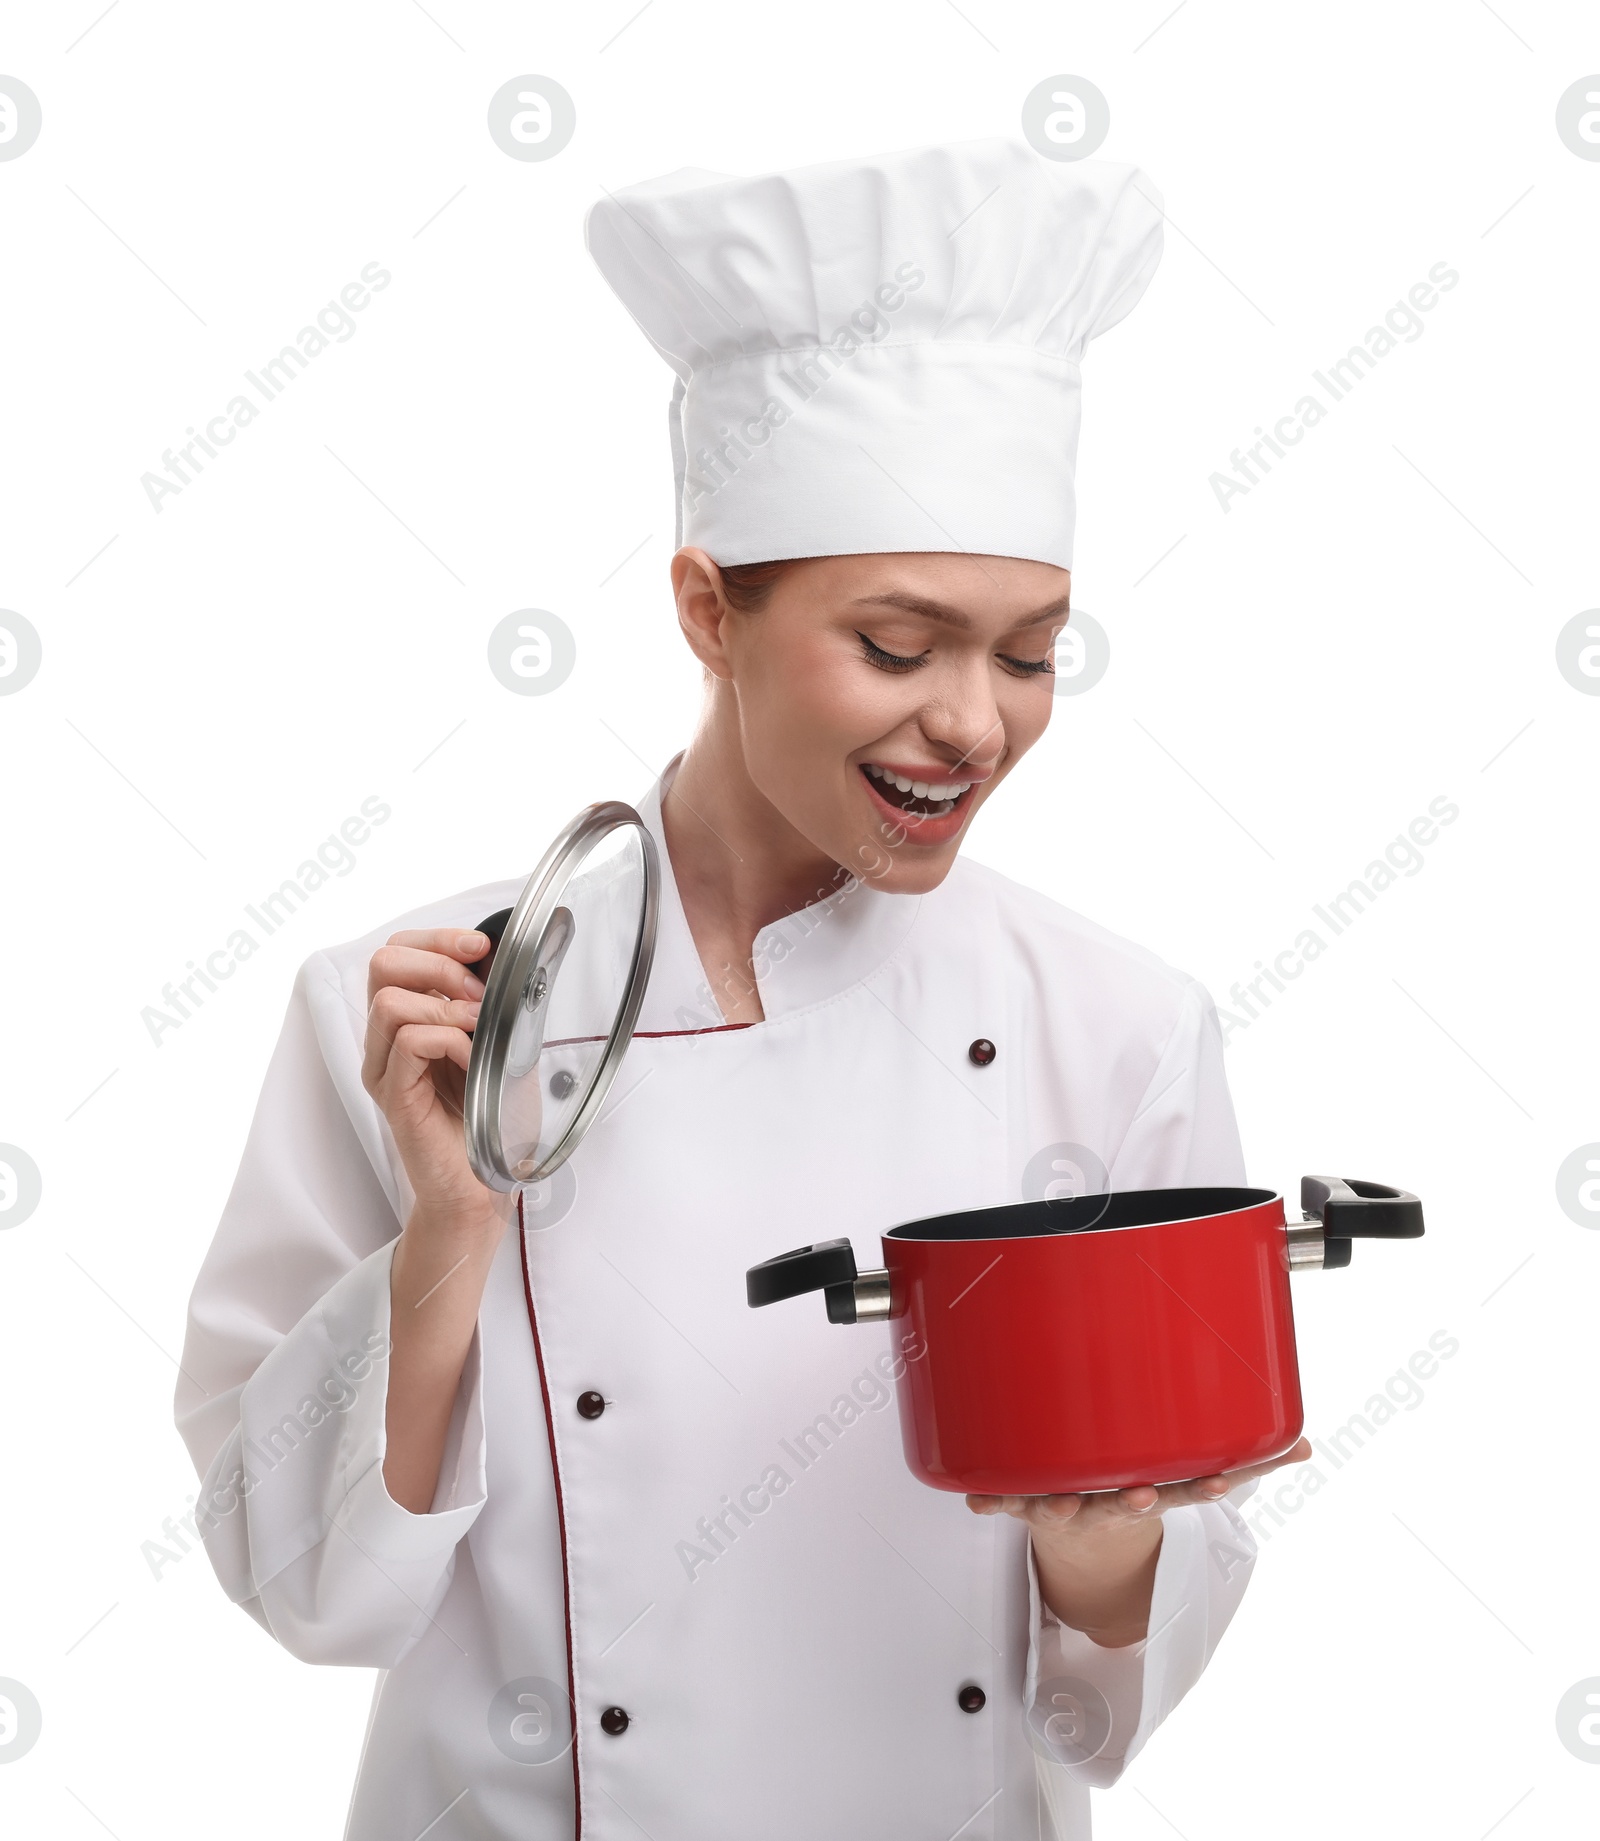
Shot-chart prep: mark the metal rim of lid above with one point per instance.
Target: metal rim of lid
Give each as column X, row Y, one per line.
column 502, row 997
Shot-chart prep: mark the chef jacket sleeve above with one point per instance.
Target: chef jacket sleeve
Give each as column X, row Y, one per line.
column 1090, row 1709
column 284, row 1380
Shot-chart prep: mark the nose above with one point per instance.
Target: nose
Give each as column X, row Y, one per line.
column 962, row 719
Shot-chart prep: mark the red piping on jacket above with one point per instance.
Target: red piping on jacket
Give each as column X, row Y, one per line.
column 561, row 1520
column 650, row 1035
column 550, row 1427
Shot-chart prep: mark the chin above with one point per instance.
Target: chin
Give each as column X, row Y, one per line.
column 900, row 868
column 916, row 878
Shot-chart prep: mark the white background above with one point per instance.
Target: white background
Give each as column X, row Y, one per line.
column 1371, row 627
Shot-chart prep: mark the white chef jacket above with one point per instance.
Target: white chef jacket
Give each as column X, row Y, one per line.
column 733, row 1551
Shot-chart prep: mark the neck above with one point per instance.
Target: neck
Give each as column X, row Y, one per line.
column 738, row 863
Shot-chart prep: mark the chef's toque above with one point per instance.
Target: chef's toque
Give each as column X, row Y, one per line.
column 880, row 354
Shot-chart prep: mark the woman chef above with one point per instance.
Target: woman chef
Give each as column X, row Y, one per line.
column 634, row 1561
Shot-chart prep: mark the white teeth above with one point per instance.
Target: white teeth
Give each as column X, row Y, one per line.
column 933, row 790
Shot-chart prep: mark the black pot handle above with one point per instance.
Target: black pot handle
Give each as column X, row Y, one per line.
column 494, row 926
column 1350, row 1209
column 813, row 1268
column 1361, row 1211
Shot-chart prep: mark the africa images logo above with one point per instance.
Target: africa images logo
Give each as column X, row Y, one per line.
column 333, row 322
column 335, row 856
column 1401, row 324
column 1401, row 857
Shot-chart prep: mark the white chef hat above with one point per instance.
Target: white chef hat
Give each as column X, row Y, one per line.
column 880, row 354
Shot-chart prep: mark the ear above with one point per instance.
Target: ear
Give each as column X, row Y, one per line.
column 702, row 608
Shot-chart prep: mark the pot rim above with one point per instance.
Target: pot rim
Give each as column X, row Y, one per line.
column 1082, row 1215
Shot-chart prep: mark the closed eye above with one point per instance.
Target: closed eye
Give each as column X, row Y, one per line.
column 1030, row 667
column 889, row 661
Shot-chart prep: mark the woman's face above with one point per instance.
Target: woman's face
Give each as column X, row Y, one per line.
column 880, row 700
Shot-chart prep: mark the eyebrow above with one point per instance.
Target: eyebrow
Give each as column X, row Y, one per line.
column 953, row 616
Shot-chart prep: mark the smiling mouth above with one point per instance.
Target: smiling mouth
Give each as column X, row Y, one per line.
column 917, row 798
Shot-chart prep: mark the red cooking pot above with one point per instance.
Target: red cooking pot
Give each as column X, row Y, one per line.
column 1097, row 1341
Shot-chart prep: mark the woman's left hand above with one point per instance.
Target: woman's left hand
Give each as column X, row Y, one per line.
column 1096, row 1553
column 1073, row 1517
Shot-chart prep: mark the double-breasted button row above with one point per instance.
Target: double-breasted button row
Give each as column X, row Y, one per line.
column 614, row 1720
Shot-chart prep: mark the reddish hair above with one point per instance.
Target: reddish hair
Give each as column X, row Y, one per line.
column 749, row 586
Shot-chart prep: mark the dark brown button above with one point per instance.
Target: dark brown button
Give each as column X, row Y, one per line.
column 562, row 1082
column 591, row 1404
column 971, row 1699
column 615, row 1721
column 981, row 1052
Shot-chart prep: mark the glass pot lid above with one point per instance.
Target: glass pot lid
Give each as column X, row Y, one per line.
column 562, row 997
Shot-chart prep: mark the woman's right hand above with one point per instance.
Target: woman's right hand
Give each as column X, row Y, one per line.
column 421, row 1009
column 422, row 1005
